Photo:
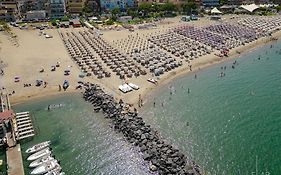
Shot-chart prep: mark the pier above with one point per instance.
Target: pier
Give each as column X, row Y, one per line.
column 13, row 127
column 14, row 160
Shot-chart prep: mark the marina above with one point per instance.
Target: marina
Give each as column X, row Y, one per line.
column 17, row 127
column 42, row 160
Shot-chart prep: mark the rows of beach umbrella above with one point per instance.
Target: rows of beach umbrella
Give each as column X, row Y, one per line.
column 131, row 44
column 262, row 24
column 214, row 40
column 180, row 46
column 160, row 51
column 156, row 61
column 240, row 33
column 122, row 65
column 83, row 56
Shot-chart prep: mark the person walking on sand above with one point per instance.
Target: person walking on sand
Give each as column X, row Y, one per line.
column 59, row 87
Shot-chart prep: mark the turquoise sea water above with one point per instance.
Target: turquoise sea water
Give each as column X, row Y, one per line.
column 228, row 125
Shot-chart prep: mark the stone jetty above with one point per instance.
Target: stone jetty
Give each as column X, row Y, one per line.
column 162, row 157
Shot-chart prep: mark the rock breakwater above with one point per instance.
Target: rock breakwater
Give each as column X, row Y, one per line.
column 162, row 157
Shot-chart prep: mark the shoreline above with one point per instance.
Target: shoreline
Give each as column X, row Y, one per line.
column 198, row 64
column 51, row 94
column 215, row 61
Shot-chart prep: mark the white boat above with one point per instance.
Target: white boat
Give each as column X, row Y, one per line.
column 45, row 167
column 55, row 171
column 40, row 161
column 152, row 81
column 38, row 147
column 125, row 88
column 135, row 87
column 39, row 154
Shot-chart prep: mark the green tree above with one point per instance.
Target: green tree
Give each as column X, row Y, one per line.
column 222, row 2
column 87, row 10
column 109, row 22
column 188, row 7
column 278, row 8
column 65, row 18
column 5, row 26
column 54, row 22
column 169, row 7
column 145, row 8
column 132, row 12
column 115, row 11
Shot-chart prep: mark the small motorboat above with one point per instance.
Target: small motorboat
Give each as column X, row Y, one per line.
column 55, row 171
column 134, row 86
column 38, row 147
column 65, row 84
column 45, row 167
column 40, row 161
column 152, row 81
column 39, row 154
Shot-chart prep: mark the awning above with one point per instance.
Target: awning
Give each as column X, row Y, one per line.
column 250, row 8
column 215, row 11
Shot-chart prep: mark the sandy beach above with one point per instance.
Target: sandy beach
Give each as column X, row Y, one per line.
column 35, row 52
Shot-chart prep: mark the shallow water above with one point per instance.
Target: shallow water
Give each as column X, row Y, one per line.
column 231, row 124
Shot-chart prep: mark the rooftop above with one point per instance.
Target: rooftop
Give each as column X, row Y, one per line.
column 6, row 115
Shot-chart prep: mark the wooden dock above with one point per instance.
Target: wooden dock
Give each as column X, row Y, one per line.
column 14, row 160
column 24, row 127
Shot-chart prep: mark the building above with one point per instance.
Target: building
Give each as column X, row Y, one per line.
column 210, row 3
column 75, row 6
column 121, row 4
column 25, row 6
column 233, row 2
column 93, row 5
column 6, row 126
column 56, row 9
column 75, row 23
column 8, row 10
column 33, row 15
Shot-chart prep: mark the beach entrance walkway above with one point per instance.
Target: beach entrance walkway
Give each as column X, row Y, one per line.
column 14, row 160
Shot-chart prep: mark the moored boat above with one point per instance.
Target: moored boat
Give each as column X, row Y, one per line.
column 38, row 147
column 40, row 161
column 152, row 81
column 45, row 167
column 39, row 154
column 55, row 171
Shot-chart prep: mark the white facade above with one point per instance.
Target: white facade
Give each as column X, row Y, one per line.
column 40, row 14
